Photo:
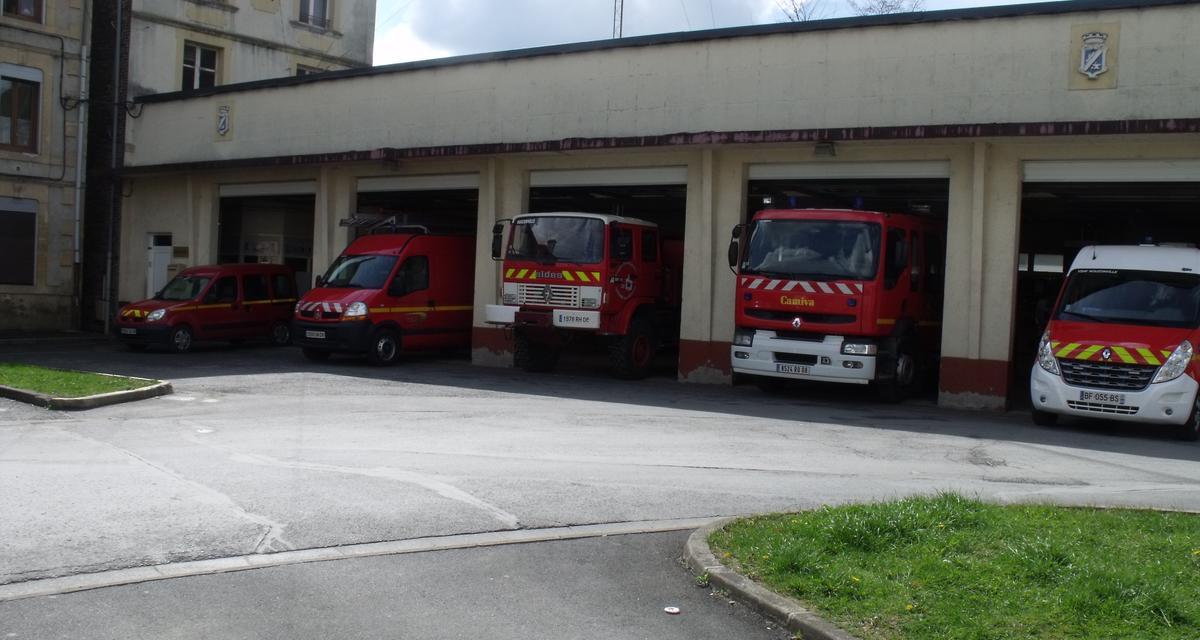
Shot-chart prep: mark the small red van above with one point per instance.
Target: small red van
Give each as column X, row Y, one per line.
column 217, row 302
column 389, row 293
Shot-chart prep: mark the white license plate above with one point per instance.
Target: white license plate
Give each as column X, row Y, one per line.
column 128, row 331
column 318, row 335
column 792, row 368
column 577, row 319
column 1102, row 396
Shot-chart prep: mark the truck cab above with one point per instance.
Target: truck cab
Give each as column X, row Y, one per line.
column 568, row 274
column 1120, row 343
column 389, row 293
column 837, row 296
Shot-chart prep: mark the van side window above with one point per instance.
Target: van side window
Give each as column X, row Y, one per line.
column 225, row 290
column 897, row 258
column 254, row 287
column 412, row 276
column 284, row 285
column 650, row 246
column 622, row 244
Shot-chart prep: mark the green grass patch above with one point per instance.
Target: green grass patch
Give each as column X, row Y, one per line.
column 59, row 383
column 949, row 567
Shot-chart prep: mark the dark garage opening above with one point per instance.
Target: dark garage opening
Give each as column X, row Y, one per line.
column 268, row 229
column 452, row 211
column 1060, row 218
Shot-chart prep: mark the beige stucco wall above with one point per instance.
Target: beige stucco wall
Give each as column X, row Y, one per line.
column 1000, row 70
column 46, row 175
column 257, row 40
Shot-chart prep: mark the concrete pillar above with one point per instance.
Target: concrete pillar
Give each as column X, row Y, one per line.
column 503, row 193
column 981, row 243
column 335, row 193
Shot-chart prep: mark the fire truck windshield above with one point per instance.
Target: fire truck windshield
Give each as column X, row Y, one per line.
column 813, row 249
column 1132, row 297
column 553, row 239
column 359, row 272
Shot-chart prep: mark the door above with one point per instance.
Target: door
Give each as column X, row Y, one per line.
column 157, row 260
column 419, row 318
column 258, row 313
column 219, row 314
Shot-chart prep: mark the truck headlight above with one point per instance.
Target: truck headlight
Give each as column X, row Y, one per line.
column 859, row 349
column 1176, row 364
column 743, row 337
column 156, row 315
column 510, row 293
column 355, row 310
column 1045, row 355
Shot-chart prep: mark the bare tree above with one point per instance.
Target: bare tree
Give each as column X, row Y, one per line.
column 879, row 7
column 802, row 10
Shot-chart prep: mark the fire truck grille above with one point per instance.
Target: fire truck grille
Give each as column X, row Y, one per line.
column 1096, row 407
column 548, row 295
column 1105, row 375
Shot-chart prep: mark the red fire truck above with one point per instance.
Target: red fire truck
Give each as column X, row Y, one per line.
column 567, row 275
column 838, row 296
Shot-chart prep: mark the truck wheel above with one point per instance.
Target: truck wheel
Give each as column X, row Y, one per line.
column 1044, row 418
column 631, row 355
column 902, row 381
column 1190, row 430
column 315, row 355
column 281, row 334
column 384, row 348
column 534, row 357
column 180, row 340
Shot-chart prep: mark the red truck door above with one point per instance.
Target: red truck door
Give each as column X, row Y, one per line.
column 220, row 312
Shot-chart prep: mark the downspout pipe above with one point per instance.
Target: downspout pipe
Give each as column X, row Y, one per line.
column 80, row 168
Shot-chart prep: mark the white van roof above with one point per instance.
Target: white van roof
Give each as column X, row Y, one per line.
column 607, row 218
column 1139, row 258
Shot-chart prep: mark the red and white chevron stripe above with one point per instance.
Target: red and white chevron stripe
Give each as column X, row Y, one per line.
column 327, row 307
column 768, row 284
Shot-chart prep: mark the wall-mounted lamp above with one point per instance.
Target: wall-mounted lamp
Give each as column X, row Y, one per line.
column 825, row 150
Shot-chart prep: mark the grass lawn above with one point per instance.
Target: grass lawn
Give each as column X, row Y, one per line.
column 64, row 384
column 949, row 567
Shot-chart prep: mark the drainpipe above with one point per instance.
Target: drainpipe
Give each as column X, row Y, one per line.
column 80, row 138
column 118, row 109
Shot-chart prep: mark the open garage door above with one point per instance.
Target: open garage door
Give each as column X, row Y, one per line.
column 654, row 194
column 268, row 222
column 917, row 187
column 1067, row 205
column 444, row 203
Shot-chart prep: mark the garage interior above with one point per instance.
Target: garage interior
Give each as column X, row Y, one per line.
column 268, row 229
column 450, row 211
column 1060, row 218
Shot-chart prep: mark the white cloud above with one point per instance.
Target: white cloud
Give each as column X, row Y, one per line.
column 400, row 44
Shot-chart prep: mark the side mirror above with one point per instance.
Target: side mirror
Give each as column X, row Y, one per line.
column 497, row 240
column 320, row 281
column 734, row 252
column 737, row 230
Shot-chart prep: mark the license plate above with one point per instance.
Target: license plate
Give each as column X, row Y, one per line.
column 1102, row 396
column 792, row 368
column 318, row 335
column 128, row 331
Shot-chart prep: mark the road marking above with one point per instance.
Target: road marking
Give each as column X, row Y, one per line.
column 136, row 575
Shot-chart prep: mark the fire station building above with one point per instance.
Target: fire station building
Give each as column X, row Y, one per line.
column 1033, row 130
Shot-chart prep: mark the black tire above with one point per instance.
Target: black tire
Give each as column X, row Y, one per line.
column 384, row 348
column 1190, row 430
column 901, row 381
column 180, row 339
column 281, row 334
column 631, row 356
column 135, row 347
column 315, row 355
column 1044, row 418
column 532, row 356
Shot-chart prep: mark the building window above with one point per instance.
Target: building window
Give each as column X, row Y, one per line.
column 302, row 70
column 315, row 12
column 199, row 66
column 23, row 9
column 19, row 108
column 18, row 240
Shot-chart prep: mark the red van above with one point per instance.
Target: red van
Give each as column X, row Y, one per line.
column 389, row 293
column 217, row 302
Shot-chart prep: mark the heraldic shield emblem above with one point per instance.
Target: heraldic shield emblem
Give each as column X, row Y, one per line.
column 1093, row 58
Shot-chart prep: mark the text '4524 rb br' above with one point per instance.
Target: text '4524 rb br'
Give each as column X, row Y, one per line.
column 838, row 296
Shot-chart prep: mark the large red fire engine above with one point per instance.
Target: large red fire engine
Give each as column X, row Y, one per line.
column 838, row 296
column 571, row 274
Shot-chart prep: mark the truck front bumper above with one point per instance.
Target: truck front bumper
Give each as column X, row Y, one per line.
column 349, row 337
column 821, row 361
column 1168, row 403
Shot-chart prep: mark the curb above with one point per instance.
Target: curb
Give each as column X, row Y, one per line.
column 160, row 388
column 788, row 612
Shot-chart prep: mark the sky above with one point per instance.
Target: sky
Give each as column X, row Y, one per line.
column 409, row 30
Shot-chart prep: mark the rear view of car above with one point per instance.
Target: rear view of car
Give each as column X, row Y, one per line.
column 1121, row 343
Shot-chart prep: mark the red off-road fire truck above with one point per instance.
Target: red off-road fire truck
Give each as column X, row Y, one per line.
column 838, row 296
column 571, row 274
